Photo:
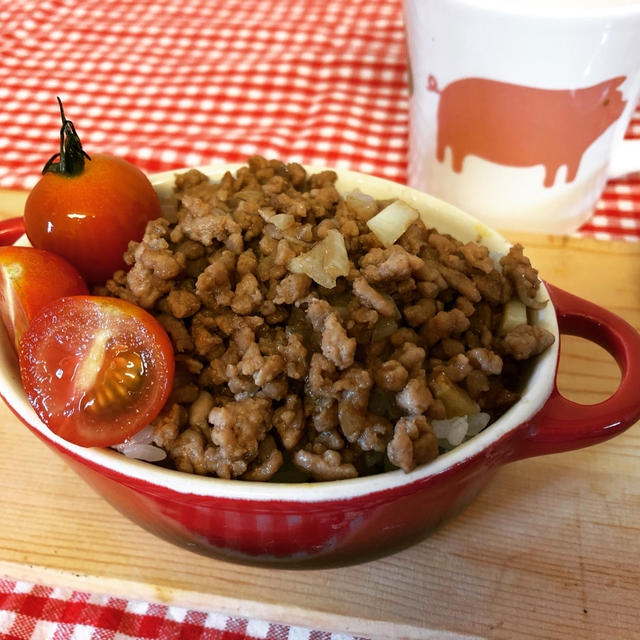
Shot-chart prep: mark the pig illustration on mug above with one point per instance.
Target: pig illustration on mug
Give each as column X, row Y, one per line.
column 523, row 126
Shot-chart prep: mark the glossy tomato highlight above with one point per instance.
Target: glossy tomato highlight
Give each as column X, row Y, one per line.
column 96, row 369
column 29, row 280
column 88, row 208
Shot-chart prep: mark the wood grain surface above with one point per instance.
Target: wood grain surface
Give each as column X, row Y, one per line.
column 550, row 549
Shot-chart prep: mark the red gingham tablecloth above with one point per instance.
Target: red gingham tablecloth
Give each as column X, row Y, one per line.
column 40, row 612
column 168, row 84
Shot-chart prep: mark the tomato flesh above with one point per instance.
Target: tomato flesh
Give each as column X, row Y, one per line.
column 30, row 279
column 96, row 370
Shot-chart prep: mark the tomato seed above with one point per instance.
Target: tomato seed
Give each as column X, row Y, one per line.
column 117, row 384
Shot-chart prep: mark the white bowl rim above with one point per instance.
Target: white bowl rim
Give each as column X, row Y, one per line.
column 445, row 218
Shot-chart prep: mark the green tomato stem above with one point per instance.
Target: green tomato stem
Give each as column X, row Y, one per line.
column 70, row 160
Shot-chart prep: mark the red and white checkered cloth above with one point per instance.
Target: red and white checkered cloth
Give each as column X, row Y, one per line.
column 168, row 83
column 174, row 83
column 36, row 612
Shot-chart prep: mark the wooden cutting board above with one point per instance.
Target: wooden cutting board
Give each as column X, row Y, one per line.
column 551, row 549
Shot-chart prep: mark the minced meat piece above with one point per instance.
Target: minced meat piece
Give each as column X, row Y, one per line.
column 413, row 443
column 238, row 428
column 486, row 360
column 182, row 303
column 460, row 366
column 187, row 452
column 384, row 305
column 267, row 462
column 517, row 268
column 415, row 397
column 289, row 422
column 247, row 296
column 326, row 466
column 335, row 343
column 168, row 425
column 446, row 324
column 394, row 263
column 182, row 341
column 275, row 372
column 291, row 288
column 526, row 341
column 477, row 256
column 419, row 313
column 410, row 356
column 203, row 223
column 391, row 376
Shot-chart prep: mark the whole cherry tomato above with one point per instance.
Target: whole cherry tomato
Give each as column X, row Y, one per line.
column 87, row 209
column 95, row 369
column 30, row 279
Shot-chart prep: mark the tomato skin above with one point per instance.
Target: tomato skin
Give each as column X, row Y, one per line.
column 60, row 347
column 29, row 280
column 90, row 218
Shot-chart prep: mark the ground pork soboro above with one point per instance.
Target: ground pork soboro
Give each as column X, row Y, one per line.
column 278, row 376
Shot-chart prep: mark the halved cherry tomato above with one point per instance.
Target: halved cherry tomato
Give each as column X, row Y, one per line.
column 87, row 209
column 30, row 279
column 96, row 369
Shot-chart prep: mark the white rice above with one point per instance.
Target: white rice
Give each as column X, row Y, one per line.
column 140, row 446
column 455, row 431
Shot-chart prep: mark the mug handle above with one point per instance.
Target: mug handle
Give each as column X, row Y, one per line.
column 562, row 424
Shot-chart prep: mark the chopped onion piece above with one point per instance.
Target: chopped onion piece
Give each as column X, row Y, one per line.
column 456, row 400
column 392, row 222
column 282, row 220
column 325, row 262
column 514, row 314
column 364, row 205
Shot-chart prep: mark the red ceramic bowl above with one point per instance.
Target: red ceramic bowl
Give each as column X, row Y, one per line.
column 349, row 521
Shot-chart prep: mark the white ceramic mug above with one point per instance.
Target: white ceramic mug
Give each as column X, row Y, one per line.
column 519, row 107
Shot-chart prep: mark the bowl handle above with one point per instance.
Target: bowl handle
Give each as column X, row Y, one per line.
column 562, row 424
column 10, row 230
